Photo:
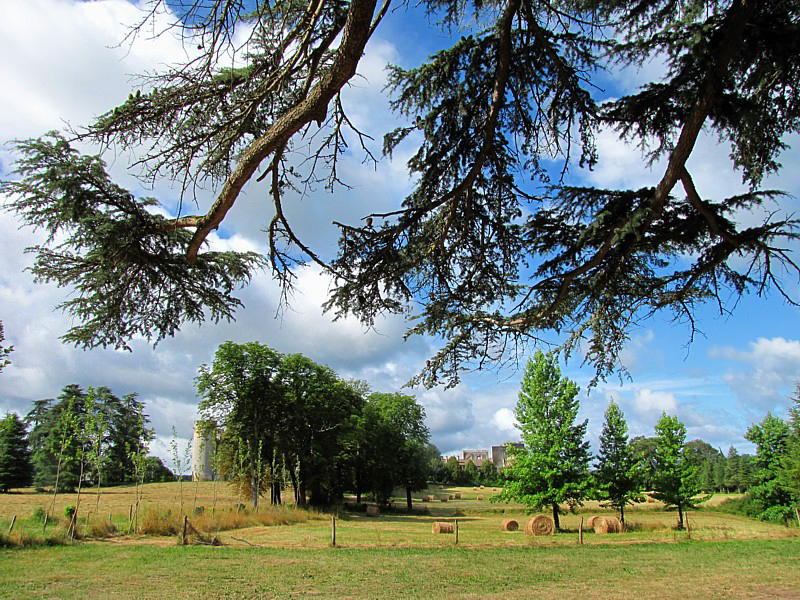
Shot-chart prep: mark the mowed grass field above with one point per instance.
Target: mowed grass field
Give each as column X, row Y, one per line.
column 396, row 555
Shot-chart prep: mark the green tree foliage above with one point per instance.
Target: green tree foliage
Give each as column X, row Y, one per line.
column 553, row 467
column 771, row 438
column 732, row 478
column 242, row 392
column 97, row 429
column 675, row 482
column 59, row 441
column 789, row 474
column 399, row 445
column 488, row 474
column 454, row 475
column 619, row 472
column 155, row 471
column 16, row 469
column 286, row 417
column 644, row 448
column 494, row 247
column 470, row 473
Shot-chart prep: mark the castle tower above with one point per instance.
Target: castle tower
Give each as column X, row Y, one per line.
column 203, row 443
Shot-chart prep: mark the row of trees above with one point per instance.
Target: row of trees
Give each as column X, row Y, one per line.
column 79, row 438
column 554, row 467
column 284, row 418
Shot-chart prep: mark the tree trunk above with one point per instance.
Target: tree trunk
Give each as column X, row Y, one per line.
column 408, row 497
column 293, row 477
column 622, row 516
column 555, row 517
column 680, row 516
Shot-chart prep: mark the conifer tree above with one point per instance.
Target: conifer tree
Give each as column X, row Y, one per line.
column 16, row 469
column 676, row 481
column 492, row 247
column 553, row 466
column 619, row 473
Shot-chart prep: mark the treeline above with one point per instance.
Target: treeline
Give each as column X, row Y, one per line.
column 555, row 467
column 82, row 437
column 285, row 420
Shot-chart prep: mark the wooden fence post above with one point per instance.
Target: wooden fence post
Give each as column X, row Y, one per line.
column 11, row 527
column 183, row 535
column 580, row 533
column 333, row 531
column 456, row 530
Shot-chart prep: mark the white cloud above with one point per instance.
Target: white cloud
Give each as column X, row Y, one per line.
column 505, row 421
column 765, row 375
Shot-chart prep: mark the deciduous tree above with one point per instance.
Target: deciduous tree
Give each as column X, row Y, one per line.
column 553, row 467
column 675, row 482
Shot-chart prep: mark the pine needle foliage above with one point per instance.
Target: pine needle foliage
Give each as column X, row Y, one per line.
column 126, row 266
column 619, row 473
column 494, row 247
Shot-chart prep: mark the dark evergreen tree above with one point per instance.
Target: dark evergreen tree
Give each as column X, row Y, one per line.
column 494, row 247
column 553, row 467
column 676, row 481
column 16, row 470
column 732, row 475
column 619, row 472
column 59, row 436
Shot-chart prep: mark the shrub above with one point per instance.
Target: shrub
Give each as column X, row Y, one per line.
column 39, row 514
column 69, row 511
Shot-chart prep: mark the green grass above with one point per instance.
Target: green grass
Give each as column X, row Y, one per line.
column 755, row 568
column 396, row 555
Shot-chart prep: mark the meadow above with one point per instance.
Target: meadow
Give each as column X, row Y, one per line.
column 288, row 552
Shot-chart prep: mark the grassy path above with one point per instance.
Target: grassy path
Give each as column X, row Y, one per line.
column 734, row 569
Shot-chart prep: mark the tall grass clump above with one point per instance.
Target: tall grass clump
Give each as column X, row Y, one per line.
column 159, row 522
column 226, row 520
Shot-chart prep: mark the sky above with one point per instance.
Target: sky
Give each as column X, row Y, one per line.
column 62, row 63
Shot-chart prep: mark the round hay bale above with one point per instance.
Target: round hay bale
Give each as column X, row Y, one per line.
column 540, row 525
column 605, row 525
column 373, row 511
column 592, row 519
column 650, row 499
column 444, row 498
column 457, row 495
column 510, row 525
column 440, row 527
column 483, row 486
column 479, row 498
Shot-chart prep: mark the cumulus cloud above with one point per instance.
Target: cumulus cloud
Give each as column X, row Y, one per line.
column 764, row 375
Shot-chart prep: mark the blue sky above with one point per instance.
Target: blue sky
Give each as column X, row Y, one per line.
column 62, row 65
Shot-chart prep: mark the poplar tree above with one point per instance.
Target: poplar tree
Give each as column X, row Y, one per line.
column 675, row 482
column 552, row 468
column 493, row 244
column 619, row 474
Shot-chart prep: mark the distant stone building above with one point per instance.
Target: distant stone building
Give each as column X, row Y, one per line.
column 204, row 443
column 499, row 456
column 478, row 457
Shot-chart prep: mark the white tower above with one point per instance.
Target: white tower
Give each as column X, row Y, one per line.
column 203, row 443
